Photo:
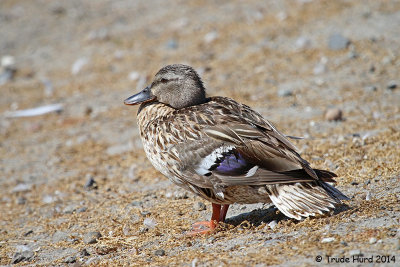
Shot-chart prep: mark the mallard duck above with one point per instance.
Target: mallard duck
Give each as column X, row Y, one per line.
column 224, row 151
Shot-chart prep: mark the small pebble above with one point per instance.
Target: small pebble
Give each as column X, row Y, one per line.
column 83, row 209
column 327, row 240
column 172, row 44
column 84, row 253
column 159, row 252
column 143, row 230
column 88, row 110
column 302, row 43
column 28, row 233
column 344, row 243
column 134, row 75
column 150, row 222
column 199, row 206
column 368, row 196
column 272, row 224
column 285, row 92
column 6, row 76
column 91, row 237
column 8, row 69
column 131, row 171
column 181, row 195
column 391, row 85
column 355, row 252
column 372, row 68
column 21, row 188
column 211, row 239
column 78, row 65
column 319, row 68
column 387, row 60
column 60, row 236
column 118, row 149
column 21, row 200
column 126, row 230
column 370, row 88
column 47, row 199
column 57, row 9
column 352, row 55
column 376, row 115
column 136, row 203
column 69, row 209
column 70, row 259
column 98, row 35
column 319, row 81
column 48, row 87
column 372, row 240
column 90, row 183
column 281, row 16
column 337, row 41
column 334, row 114
column 210, row 37
column 8, row 62
column 18, row 257
column 144, row 213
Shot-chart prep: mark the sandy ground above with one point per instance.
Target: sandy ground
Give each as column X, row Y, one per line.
column 76, row 188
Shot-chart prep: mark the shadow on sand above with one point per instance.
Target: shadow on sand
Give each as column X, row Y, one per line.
column 258, row 216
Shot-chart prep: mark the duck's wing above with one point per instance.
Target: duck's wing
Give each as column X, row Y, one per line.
column 245, row 149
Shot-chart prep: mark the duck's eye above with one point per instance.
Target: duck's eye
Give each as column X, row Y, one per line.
column 163, row 80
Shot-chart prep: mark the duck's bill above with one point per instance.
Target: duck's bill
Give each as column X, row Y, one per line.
column 143, row 96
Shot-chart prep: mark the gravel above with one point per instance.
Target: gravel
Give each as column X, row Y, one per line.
column 327, row 240
column 355, row 252
column 199, row 206
column 370, row 88
column 273, row 224
column 172, row 44
column 334, row 114
column 78, row 65
column 91, row 237
column 70, row 209
column 159, row 252
column 60, row 236
column 22, row 256
column 337, row 42
column 391, row 85
column 285, row 92
column 84, row 253
column 21, row 200
column 90, row 183
column 70, row 259
column 21, row 188
column 150, row 222
column 90, row 59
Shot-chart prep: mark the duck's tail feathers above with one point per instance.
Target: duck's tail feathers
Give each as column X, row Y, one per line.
column 304, row 199
column 332, row 191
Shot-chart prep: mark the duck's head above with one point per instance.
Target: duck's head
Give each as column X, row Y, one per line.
column 177, row 85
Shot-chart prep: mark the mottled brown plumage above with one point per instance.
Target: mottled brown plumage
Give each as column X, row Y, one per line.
column 224, row 151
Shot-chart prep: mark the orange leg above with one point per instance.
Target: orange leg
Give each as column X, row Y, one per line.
column 224, row 211
column 207, row 227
